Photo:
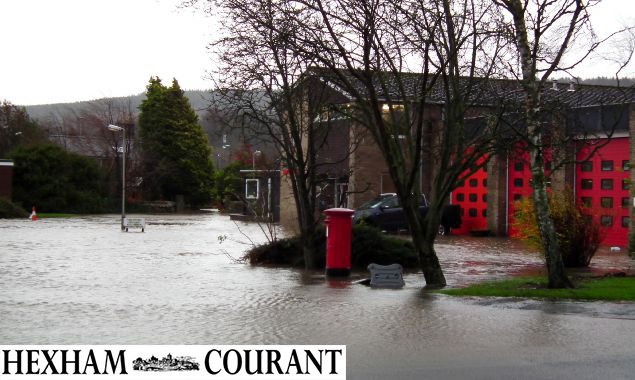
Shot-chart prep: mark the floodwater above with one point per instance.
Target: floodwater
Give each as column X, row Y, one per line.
column 82, row 281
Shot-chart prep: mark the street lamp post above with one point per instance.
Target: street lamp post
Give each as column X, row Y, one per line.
column 253, row 159
column 115, row 128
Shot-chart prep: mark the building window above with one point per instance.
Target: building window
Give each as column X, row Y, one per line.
column 518, row 182
column 484, row 213
column 585, row 201
column 607, row 166
column 606, row 202
column 586, row 167
column 626, row 184
column 625, row 202
column 625, row 221
column 606, row 184
column 625, row 165
column 460, row 197
column 517, row 197
column 484, row 197
column 586, row 184
column 461, row 184
column 252, row 188
column 462, row 212
column 485, row 182
column 472, row 197
column 473, row 182
column 606, row 220
column 518, row 166
column 472, row 212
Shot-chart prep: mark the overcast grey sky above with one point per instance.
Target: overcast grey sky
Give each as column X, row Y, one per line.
column 70, row 50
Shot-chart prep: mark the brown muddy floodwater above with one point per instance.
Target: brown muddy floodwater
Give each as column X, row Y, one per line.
column 82, row 281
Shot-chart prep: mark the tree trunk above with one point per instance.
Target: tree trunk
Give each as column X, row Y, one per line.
column 423, row 241
column 553, row 257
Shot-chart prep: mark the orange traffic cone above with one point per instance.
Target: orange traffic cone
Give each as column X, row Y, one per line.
column 33, row 217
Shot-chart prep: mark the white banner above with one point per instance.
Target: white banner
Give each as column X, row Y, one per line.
column 173, row 362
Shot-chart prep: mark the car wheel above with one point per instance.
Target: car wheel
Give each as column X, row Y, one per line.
column 442, row 230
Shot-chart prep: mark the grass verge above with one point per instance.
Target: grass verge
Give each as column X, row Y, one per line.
column 55, row 215
column 603, row 288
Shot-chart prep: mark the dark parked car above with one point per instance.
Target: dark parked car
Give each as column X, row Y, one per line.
column 385, row 212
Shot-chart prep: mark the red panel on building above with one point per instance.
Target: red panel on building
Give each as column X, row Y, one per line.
column 603, row 184
column 471, row 195
column 518, row 185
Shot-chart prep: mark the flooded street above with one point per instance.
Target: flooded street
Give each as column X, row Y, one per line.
column 82, row 281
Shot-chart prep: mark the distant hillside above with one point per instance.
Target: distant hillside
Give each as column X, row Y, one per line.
column 604, row 81
column 198, row 98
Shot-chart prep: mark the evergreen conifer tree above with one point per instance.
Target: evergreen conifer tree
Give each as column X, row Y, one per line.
column 176, row 155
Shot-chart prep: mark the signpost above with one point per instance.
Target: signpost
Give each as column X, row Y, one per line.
column 134, row 223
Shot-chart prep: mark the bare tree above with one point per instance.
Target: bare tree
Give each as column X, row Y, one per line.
column 395, row 62
column 543, row 32
column 262, row 86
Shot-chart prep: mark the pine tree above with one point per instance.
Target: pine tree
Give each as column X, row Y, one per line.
column 177, row 158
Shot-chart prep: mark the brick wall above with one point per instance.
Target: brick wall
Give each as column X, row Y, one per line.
column 497, row 195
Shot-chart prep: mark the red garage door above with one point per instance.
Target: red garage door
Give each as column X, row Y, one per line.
column 603, row 185
column 471, row 195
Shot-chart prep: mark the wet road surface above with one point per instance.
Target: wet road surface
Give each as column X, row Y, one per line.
column 82, row 281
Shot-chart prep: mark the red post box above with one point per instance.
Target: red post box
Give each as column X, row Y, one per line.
column 338, row 241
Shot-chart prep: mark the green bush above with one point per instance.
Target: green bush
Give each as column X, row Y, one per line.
column 54, row 180
column 579, row 235
column 9, row 210
column 368, row 245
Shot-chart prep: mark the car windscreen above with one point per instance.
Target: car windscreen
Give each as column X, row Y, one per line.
column 372, row 203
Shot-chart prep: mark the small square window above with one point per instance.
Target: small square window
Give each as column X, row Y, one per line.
column 473, row 182
column 472, row 212
column 518, row 166
column 472, row 197
column 252, row 188
column 606, row 202
column 586, row 167
column 606, row 220
column 607, row 166
column 585, row 201
column 485, row 183
column 461, row 184
column 586, row 184
column 606, row 184
column 518, row 182
column 460, row 197
column 625, row 202
column 484, row 197
column 625, row 165
column 484, row 213
column 517, row 197
column 462, row 212
column 626, row 221
column 626, row 184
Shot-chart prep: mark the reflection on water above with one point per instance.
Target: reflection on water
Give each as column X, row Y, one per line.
column 81, row 280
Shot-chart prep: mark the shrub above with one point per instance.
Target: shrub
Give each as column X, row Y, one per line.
column 9, row 210
column 55, row 180
column 368, row 245
column 578, row 234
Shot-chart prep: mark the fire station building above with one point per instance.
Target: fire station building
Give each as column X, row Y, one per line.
column 487, row 198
